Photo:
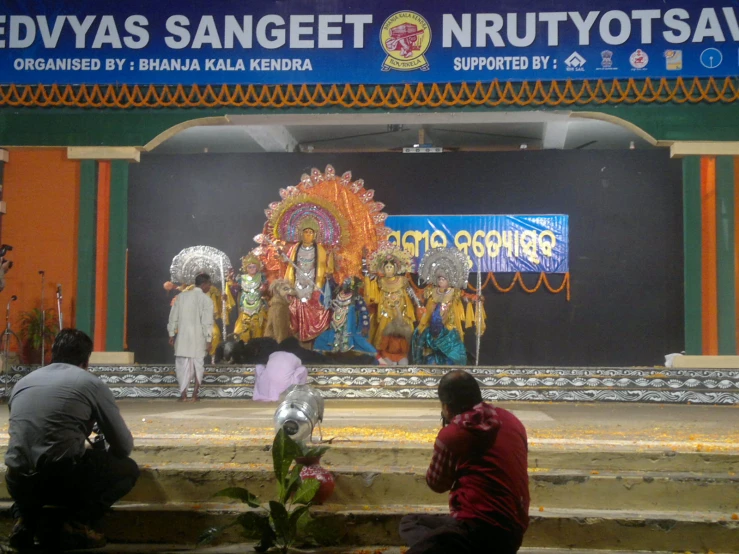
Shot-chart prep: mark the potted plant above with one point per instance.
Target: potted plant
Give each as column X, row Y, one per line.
column 34, row 327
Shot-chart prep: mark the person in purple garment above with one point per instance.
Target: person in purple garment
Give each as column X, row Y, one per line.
column 275, row 370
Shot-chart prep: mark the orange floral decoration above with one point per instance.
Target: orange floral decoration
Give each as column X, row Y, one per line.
column 493, row 93
column 517, row 279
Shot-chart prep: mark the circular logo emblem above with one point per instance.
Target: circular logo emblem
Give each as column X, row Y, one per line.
column 405, row 37
column 639, row 59
column 711, row 58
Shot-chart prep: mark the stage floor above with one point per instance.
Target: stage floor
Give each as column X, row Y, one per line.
column 571, row 426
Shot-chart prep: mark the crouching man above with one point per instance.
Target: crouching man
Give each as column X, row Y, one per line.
column 480, row 456
column 52, row 413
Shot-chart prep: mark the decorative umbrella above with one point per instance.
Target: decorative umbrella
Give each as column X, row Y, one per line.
column 192, row 261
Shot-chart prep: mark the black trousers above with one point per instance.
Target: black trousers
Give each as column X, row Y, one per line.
column 86, row 487
column 436, row 534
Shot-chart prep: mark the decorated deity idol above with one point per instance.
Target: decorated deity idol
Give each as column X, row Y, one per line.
column 309, row 265
column 318, row 231
column 438, row 339
column 251, row 287
column 349, row 322
column 388, row 288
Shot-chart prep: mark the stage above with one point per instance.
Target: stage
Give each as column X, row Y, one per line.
column 509, row 383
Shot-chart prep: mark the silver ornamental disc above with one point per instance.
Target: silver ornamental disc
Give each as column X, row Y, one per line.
column 192, row 261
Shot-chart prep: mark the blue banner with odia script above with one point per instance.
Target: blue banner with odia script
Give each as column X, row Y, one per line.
column 497, row 243
column 369, row 42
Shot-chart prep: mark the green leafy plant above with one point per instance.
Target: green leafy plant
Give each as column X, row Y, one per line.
column 278, row 522
column 34, row 327
column 310, row 454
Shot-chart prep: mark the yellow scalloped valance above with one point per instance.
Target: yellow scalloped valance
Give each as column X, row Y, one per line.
column 490, row 94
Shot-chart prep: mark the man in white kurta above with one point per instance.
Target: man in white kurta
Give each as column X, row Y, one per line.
column 191, row 331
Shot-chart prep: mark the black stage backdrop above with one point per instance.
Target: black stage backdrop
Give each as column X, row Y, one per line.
column 626, row 258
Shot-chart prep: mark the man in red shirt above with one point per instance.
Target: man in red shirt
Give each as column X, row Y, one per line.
column 480, row 456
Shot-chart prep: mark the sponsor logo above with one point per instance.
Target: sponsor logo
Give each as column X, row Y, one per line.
column 674, row 60
column 575, row 62
column 639, row 59
column 405, row 37
column 711, row 58
column 606, row 61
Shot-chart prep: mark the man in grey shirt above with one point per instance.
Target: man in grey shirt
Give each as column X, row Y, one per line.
column 52, row 413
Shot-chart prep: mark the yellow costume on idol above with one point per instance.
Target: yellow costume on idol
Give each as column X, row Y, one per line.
column 251, row 286
column 388, row 288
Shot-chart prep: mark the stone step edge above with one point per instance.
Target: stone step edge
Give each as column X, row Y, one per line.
column 397, row 510
column 221, row 508
column 537, row 474
column 242, row 443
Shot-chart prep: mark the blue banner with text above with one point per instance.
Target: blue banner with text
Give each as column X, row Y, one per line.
column 371, row 42
column 497, row 243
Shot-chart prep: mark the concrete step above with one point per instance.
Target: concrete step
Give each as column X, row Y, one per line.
column 380, row 487
column 384, row 454
column 570, row 489
column 365, row 525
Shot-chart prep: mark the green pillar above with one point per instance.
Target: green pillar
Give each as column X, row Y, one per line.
column 85, row 309
column 725, row 255
column 692, row 254
column 117, row 256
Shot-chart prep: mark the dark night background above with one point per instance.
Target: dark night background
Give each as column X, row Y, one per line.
column 625, row 214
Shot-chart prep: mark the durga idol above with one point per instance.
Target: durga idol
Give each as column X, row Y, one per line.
column 309, row 266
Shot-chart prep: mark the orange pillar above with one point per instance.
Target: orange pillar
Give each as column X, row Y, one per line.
column 708, row 257
column 101, row 255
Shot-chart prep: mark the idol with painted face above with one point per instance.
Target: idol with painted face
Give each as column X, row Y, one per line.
column 309, row 267
column 388, row 288
column 438, row 339
column 251, row 287
column 349, row 322
column 308, row 237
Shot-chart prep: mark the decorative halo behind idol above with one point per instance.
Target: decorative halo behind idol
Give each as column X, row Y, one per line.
column 194, row 260
column 390, row 253
column 451, row 263
column 343, row 214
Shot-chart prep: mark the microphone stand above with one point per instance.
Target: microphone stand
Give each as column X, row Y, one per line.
column 59, row 306
column 43, row 319
column 6, row 346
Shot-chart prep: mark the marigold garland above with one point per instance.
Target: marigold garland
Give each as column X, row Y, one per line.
column 491, row 94
column 517, row 279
